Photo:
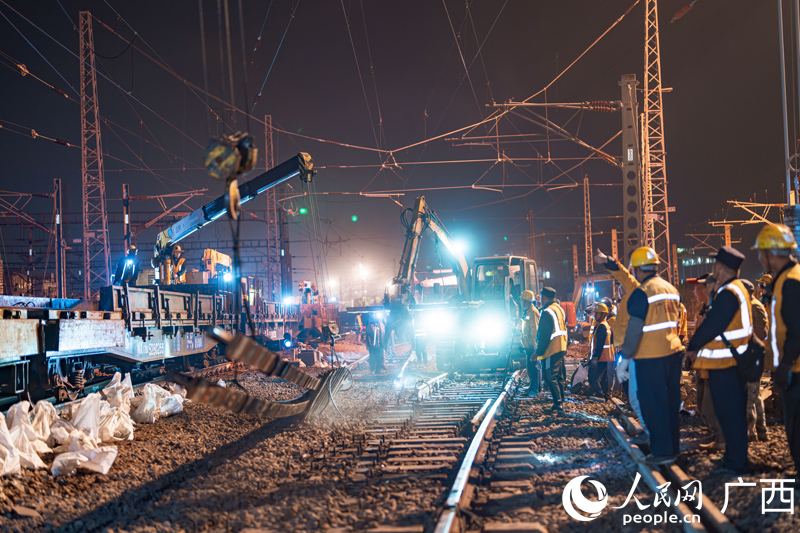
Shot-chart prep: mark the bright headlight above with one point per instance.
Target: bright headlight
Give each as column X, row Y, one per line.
column 491, row 328
column 440, row 322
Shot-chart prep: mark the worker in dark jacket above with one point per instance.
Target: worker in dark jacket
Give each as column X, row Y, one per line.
column 551, row 346
column 127, row 267
column 376, row 344
column 728, row 323
column 775, row 244
column 601, row 352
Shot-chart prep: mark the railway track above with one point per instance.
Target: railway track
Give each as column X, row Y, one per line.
column 501, row 469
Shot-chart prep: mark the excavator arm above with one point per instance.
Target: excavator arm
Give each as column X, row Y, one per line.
column 423, row 219
column 301, row 165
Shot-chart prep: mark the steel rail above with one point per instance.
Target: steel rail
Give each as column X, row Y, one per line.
column 447, row 518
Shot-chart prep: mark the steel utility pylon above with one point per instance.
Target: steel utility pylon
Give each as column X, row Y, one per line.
column 96, row 266
column 273, row 223
column 587, row 225
column 654, row 176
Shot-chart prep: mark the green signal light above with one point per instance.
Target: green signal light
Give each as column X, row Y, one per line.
column 303, row 211
column 354, row 218
column 505, row 238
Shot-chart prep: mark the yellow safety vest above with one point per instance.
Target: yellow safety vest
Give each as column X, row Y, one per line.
column 777, row 329
column 660, row 331
column 607, row 355
column 629, row 284
column 178, row 266
column 715, row 355
column 530, row 326
column 558, row 339
column 683, row 325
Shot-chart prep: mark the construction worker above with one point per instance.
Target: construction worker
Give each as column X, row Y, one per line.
column 756, row 421
column 775, row 244
column 127, row 267
column 683, row 324
column 178, row 265
column 375, row 343
column 627, row 284
column 729, row 323
column 530, row 327
column 551, row 347
column 651, row 338
column 765, row 289
column 601, row 352
column 705, row 406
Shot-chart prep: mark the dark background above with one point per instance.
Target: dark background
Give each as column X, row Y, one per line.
column 722, row 118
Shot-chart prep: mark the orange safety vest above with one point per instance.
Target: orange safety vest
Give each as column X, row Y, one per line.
column 716, row 355
column 660, row 331
column 558, row 339
column 777, row 329
column 607, row 355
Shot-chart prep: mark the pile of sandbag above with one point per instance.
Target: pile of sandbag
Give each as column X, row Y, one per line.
column 79, row 438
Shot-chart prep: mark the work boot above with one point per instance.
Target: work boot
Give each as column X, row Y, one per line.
column 641, row 438
column 557, row 407
column 763, row 437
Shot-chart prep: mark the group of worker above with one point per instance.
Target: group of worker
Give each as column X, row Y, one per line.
column 127, row 270
column 647, row 338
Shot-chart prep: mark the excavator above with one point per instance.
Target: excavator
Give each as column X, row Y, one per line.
column 476, row 328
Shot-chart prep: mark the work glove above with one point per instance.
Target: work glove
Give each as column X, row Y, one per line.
column 782, row 375
column 593, row 363
column 622, row 370
column 600, row 258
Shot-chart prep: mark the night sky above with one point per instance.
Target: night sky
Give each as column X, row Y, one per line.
column 722, row 118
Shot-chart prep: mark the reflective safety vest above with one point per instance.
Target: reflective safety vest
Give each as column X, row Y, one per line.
column 607, row 355
column 660, row 331
column 715, row 355
column 558, row 339
column 777, row 329
column 629, row 284
column 530, row 326
column 178, row 266
column 683, row 324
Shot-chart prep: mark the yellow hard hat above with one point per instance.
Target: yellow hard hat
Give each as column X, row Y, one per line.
column 644, row 256
column 766, row 279
column 775, row 237
column 177, row 248
column 600, row 307
column 528, row 295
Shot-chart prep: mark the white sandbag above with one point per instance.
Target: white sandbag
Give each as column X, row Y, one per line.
column 88, row 414
column 97, row 459
column 44, row 414
column 80, row 440
column 174, row 388
column 23, row 434
column 28, row 456
column 172, row 405
column 150, row 406
column 59, row 432
column 116, row 426
column 9, row 457
column 119, row 392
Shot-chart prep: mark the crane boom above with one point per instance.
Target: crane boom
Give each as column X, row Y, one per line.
column 423, row 219
column 300, row 165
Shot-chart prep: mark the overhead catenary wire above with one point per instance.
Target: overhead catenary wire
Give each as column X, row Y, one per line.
column 275, row 57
